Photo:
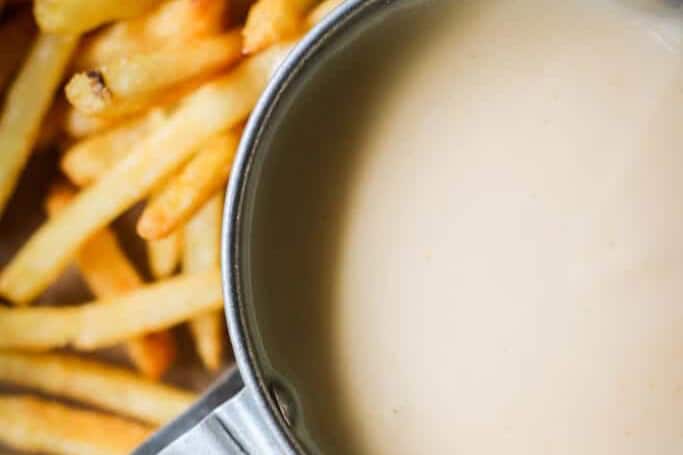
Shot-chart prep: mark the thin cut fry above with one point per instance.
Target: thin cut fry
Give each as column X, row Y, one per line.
column 105, row 322
column 33, row 424
column 322, row 10
column 202, row 251
column 97, row 384
column 99, row 91
column 172, row 22
column 271, row 21
column 184, row 194
column 216, row 106
column 79, row 125
column 16, row 34
column 108, row 273
column 77, row 16
column 27, row 102
column 87, row 160
column 164, row 254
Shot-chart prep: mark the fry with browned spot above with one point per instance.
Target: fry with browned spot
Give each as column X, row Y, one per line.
column 216, row 106
column 98, row 91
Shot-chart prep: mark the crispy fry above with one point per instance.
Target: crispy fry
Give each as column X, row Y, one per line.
column 106, row 322
column 33, row 424
column 97, row 384
column 108, row 273
column 86, row 160
column 322, row 10
column 79, row 125
column 172, row 22
column 216, row 106
column 203, row 241
column 16, row 34
column 77, row 16
column 271, row 21
column 99, row 91
column 184, row 194
column 27, row 102
column 164, row 254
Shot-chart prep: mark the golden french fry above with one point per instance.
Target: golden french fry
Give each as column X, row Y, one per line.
column 97, row 384
column 79, row 125
column 122, row 82
column 164, row 254
column 202, row 251
column 16, row 34
column 185, row 193
column 77, row 16
column 106, row 322
column 271, row 21
column 172, row 22
column 27, row 102
column 33, row 424
column 216, row 106
column 108, row 273
column 322, row 10
column 87, row 160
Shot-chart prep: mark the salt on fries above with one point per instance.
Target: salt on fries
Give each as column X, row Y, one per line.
column 156, row 93
column 107, row 387
column 108, row 273
column 38, row 425
column 106, row 322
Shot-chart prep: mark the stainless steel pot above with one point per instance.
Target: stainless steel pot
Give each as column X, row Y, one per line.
column 250, row 412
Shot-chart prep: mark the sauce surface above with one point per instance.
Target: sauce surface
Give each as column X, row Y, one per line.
column 473, row 240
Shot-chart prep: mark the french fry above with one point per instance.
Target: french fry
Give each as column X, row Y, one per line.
column 33, row 424
column 106, row 322
column 202, row 251
column 99, row 91
column 108, row 273
column 322, row 10
column 97, row 384
column 87, row 160
column 216, row 106
column 16, row 34
column 78, row 125
column 78, row 16
column 271, row 21
column 27, row 102
column 164, row 254
column 172, row 22
column 184, row 194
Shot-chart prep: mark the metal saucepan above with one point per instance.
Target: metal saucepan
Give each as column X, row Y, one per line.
column 257, row 411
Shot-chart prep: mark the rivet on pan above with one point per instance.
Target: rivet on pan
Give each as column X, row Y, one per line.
column 284, row 403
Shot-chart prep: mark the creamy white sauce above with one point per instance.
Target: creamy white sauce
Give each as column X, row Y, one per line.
column 510, row 269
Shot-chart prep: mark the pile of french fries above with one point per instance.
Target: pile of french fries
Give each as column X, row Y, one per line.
column 144, row 101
